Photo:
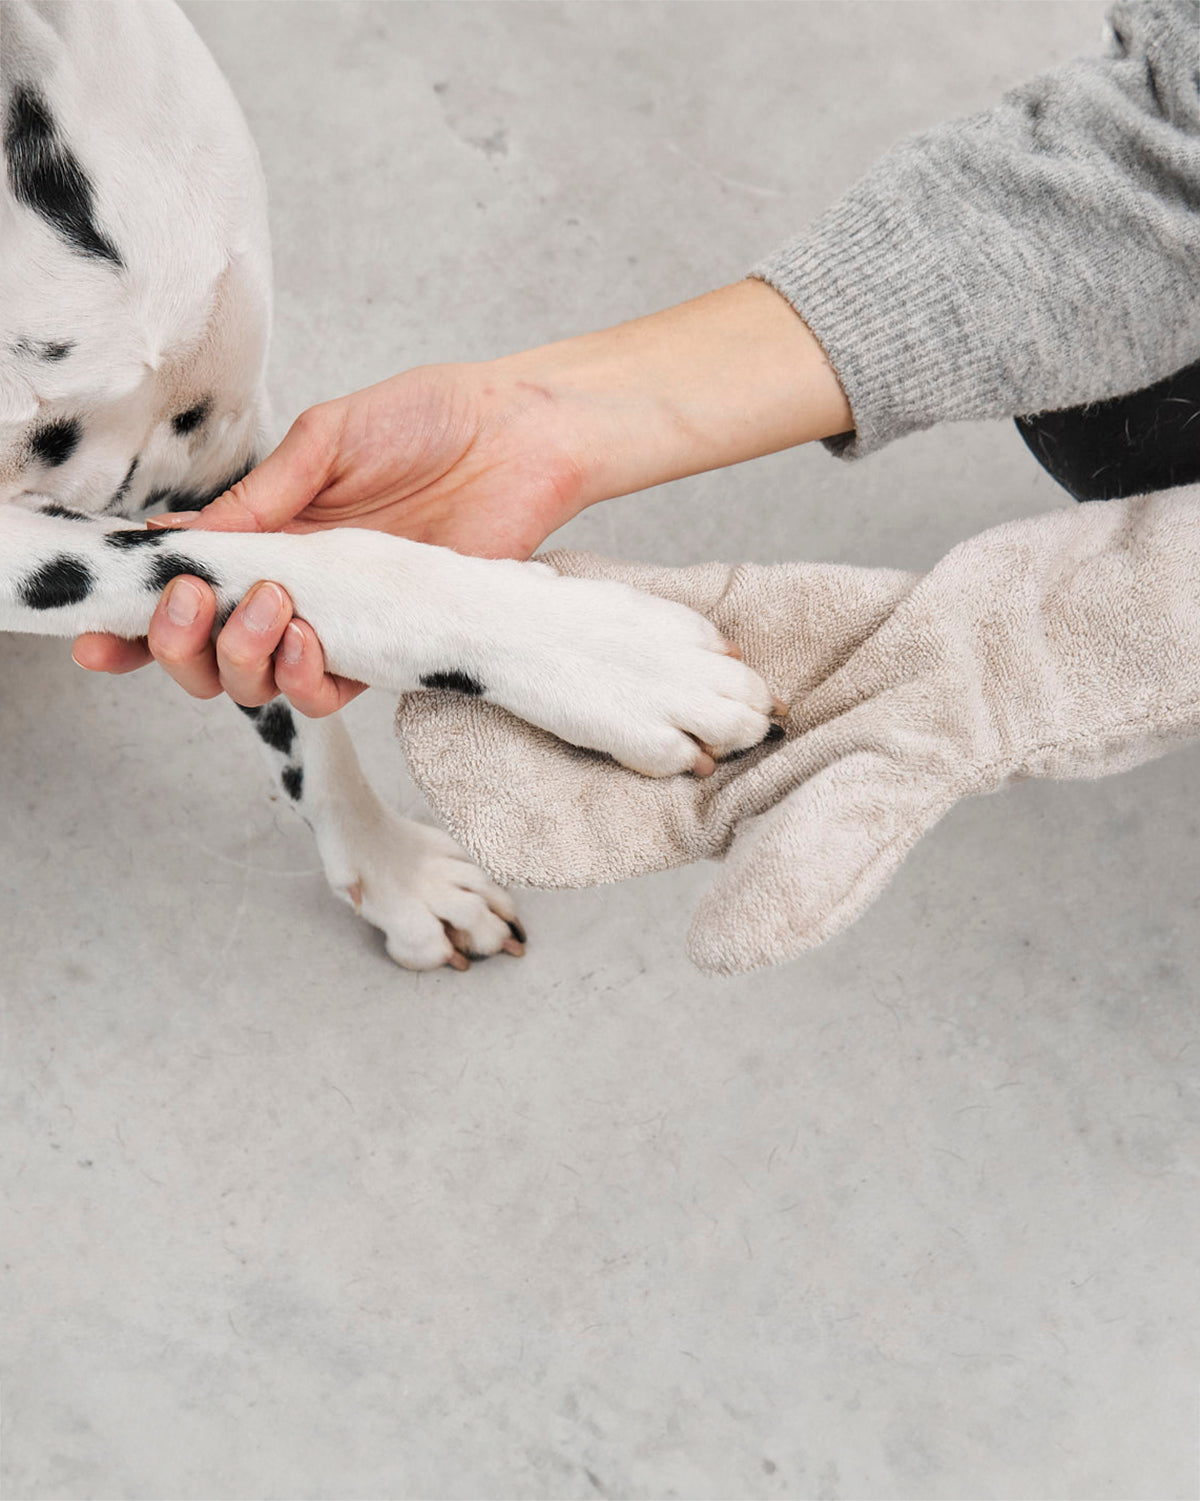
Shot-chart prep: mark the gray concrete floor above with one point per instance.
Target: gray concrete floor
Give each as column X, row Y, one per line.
column 914, row 1217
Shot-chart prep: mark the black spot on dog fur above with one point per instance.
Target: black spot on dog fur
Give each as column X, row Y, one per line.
column 189, row 421
column 133, row 537
column 276, row 728
column 251, row 711
column 60, row 581
column 186, row 500
column 292, row 778
column 460, row 682
column 45, row 175
column 122, row 489
column 57, row 441
column 64, row 513
column 193, row 500
column 776, row 732
column 168, row 566
column 44, row 349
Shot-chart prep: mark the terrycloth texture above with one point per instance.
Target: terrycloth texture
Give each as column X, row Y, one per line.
column 1063, row 646
column 1038, row 256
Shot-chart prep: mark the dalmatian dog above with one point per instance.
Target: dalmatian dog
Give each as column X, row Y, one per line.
column 135, row 300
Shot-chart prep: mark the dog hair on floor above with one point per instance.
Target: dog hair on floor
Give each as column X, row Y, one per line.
column 135, row 298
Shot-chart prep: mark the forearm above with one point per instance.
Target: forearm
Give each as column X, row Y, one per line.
column 725, row 377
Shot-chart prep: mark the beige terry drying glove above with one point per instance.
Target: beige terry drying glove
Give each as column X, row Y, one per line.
column 1067, row 645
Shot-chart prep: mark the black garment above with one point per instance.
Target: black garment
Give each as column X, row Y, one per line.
column 1129, row 445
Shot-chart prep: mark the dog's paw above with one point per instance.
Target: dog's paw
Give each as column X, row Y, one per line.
column 650, row 682
column 432, row 903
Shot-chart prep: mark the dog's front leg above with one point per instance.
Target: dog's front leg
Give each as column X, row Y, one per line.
column 412, row 881
column 595, row 662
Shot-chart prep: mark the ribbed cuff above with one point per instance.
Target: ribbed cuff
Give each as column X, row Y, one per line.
column 868, row 281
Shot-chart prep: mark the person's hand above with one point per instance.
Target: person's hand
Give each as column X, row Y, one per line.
column 444, row 454
column 490, row 459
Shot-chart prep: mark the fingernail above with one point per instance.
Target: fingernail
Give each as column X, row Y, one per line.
column 293, row 644
column 175, row 518
column 183, row 602
column 262, row 608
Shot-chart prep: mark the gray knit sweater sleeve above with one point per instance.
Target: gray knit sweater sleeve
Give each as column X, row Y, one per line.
column 1038, row 256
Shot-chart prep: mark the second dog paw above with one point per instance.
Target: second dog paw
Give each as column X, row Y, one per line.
column 433, row 905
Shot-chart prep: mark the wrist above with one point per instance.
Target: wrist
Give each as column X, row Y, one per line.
column 725, row 377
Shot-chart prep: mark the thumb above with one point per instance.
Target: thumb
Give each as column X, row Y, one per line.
column 801, row 872
column 286, row 481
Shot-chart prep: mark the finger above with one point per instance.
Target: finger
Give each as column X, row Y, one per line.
column 300, row 673
column 171, row 519
column 180, row 636
column 286, row 480
column 103, row 653
column 247, row 642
